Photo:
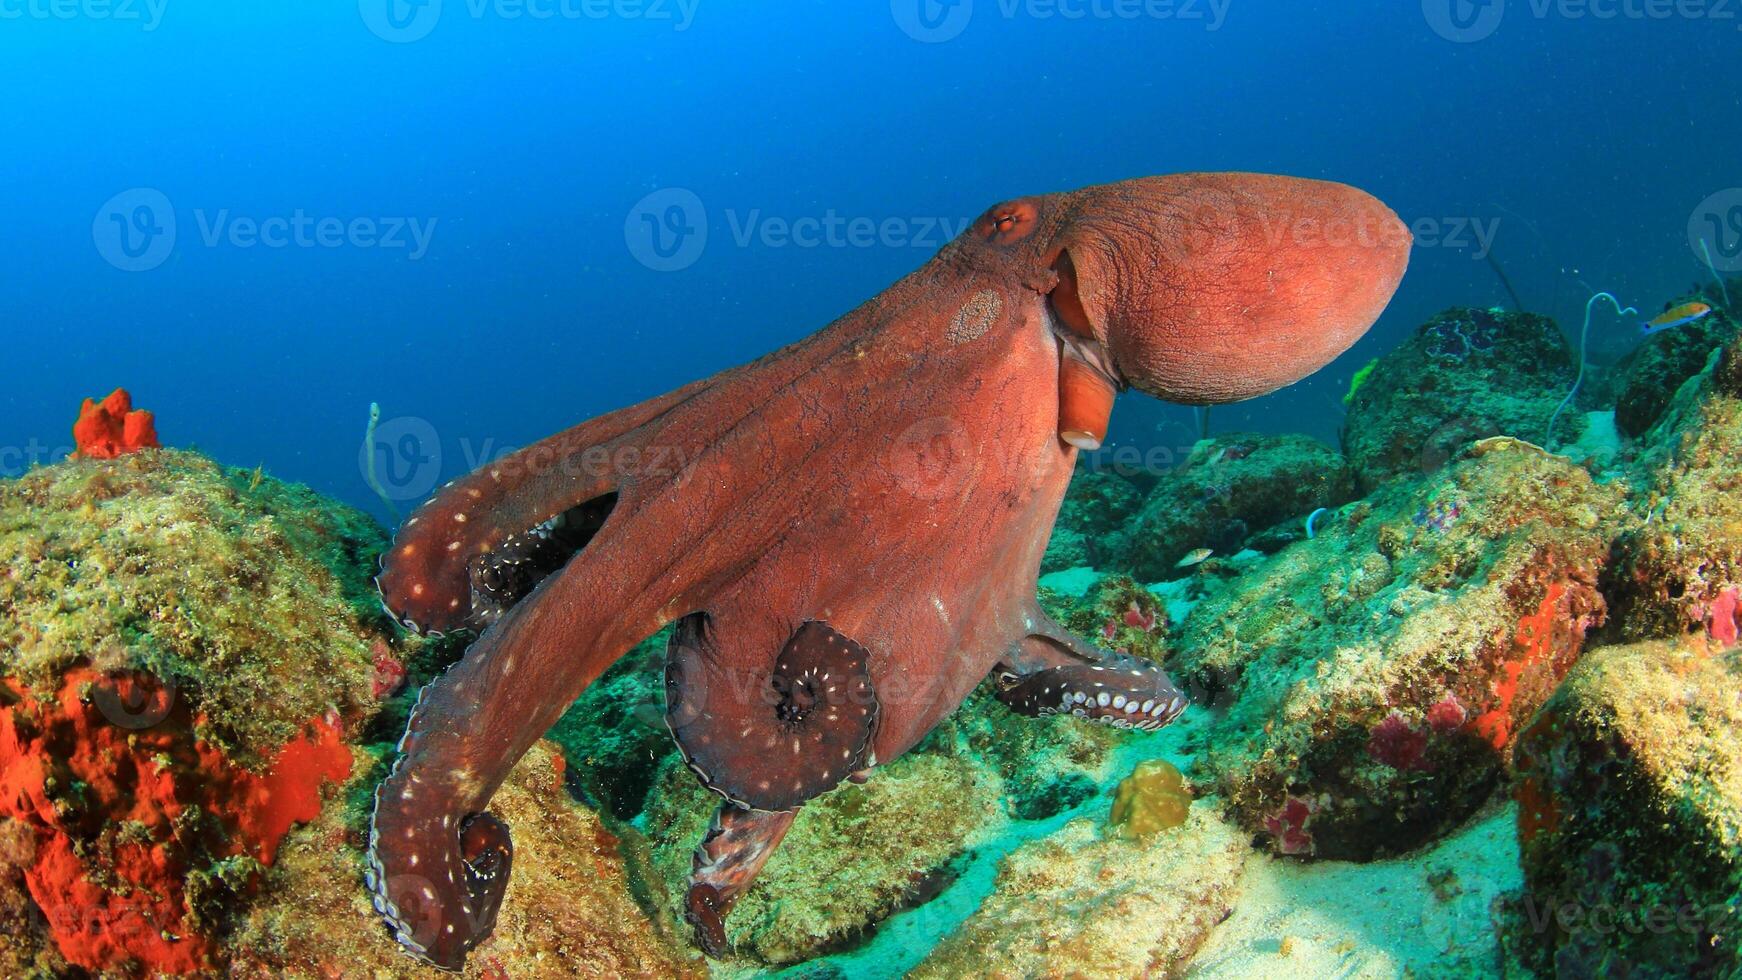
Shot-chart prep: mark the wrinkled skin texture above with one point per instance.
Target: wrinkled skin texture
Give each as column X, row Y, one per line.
column 849, row 530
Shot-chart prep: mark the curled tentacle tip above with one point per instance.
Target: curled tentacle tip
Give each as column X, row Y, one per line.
column 438, row 887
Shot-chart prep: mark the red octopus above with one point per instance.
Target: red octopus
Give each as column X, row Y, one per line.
column 846, row 532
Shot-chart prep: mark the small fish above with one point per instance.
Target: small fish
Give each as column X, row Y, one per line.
column 1195, row 558
column 651, row 715
column 1681, row 316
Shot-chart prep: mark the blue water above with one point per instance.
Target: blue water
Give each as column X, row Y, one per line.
column 520, row 148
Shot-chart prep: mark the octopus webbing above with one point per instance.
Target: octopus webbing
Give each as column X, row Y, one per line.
column 847, row 532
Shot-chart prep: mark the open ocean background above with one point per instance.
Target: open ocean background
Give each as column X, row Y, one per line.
column 481, row 182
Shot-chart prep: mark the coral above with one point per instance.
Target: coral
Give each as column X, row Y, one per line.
column 1630, row 817
column 252, row 600
column 1464, row 375
column 1360, row 378
column 1152, row 799
column 1378, row 671
column 113, row 427
column 1579, row 379
column 1289, row 826
column 1080, row 904
column 1230, row 488
column 1398, row 743
column 1120, row 615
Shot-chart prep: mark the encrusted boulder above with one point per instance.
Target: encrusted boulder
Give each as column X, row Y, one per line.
column 1228, row 490
column 1467, row 374
column 1630, row 818
column 198, row 694
column 185, row 652
column 1085, row 903
column 1646, row 379
column 1096, row 505
column 572, row 908
column 1679, row 562
column 853, row 856
column 1375, row 676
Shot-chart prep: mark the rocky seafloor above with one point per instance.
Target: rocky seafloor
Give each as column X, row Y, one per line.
column 1464, row 704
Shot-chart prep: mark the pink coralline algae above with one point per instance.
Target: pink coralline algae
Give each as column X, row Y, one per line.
column 1138, row 619
column 387, row 675
column 1288, row 825
column 1398, row 744
column 1447, row 715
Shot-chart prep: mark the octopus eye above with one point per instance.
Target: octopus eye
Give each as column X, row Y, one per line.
column 1011, row 222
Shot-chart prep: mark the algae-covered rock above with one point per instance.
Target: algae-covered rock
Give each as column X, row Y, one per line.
column 1375, row 676
column 185, row 651
column 1120, row 615
column 1096, row 504
column 1229, row 489
column 248, row 597
column 852, row 857
column 1465, row 375
column 1647, row 378
column 1630, row 817
column 1679, row 563
column 614, row 735
column 570, row 911
column 1083, row 904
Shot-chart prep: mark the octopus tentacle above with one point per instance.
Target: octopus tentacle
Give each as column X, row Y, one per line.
column 770, row 738
column 437, row 862
column 426, row 579
column 730, row 856
column 1125, row 694
column 1053, row 671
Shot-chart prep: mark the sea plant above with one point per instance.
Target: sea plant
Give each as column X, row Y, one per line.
column 1584, row 335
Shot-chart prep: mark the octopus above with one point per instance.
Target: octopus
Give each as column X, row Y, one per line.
column 845, row 535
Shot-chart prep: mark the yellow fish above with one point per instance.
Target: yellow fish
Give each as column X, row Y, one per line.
column 1678, row 317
